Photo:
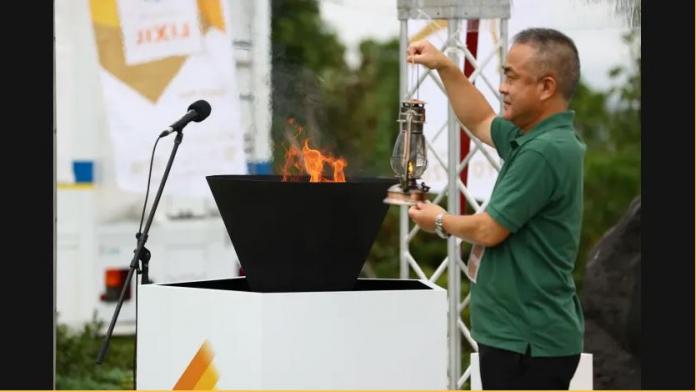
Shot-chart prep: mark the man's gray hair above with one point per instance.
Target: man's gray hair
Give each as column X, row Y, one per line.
column 555, row 52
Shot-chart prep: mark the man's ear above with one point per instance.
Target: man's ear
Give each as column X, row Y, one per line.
column 548, row 87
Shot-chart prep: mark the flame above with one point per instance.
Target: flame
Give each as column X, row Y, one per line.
column 410, row 168
column 311, row 161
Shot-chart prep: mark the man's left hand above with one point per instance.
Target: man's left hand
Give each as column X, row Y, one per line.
column 424, row 215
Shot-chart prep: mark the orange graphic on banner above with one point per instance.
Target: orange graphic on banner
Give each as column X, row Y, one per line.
column 200, row 374
column 211, row 15
column 152, row 78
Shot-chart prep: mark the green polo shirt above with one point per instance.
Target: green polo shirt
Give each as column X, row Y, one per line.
column 525, row 294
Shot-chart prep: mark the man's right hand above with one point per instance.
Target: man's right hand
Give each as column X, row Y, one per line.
column 470, row 106
column 423, row 52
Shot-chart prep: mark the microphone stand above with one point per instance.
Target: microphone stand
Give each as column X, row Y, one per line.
column 140, row 254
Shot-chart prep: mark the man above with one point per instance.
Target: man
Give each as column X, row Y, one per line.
column 525, row 312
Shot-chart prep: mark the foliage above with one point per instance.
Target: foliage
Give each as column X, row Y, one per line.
column 76, row 353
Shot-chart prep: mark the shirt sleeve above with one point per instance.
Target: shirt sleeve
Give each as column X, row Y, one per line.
column 502, row 133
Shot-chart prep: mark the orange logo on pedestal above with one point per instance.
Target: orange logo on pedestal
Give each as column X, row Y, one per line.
column 200, row 374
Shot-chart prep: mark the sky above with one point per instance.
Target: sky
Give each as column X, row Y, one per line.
column 593, row 26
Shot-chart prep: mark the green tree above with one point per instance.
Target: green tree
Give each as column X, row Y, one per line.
column 347, row 112
column 362, row 107
column 612, row 162
column 304, row 54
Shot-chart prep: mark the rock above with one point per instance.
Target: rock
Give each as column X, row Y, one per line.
column 611, row 304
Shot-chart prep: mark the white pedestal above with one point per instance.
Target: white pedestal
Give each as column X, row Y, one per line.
column 364, row 339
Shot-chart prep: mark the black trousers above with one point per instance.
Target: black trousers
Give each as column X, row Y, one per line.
column 503, row 369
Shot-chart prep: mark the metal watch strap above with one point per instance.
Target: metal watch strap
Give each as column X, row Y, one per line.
column 439, row 226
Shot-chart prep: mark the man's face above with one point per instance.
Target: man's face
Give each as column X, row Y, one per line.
column 520, row 87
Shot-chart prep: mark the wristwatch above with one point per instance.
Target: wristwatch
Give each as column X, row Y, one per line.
column 439, row 228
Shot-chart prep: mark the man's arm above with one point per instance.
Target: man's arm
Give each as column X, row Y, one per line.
column 478, row 228
column 469, row 105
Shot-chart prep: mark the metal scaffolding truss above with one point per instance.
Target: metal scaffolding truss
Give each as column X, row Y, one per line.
column 455, row 12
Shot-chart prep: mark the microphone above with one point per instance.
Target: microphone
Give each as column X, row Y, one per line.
column 197, row 112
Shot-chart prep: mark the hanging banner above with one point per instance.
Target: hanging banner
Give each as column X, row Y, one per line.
column 156, row 58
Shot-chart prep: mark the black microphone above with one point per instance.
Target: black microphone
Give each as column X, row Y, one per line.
column 197, row 112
